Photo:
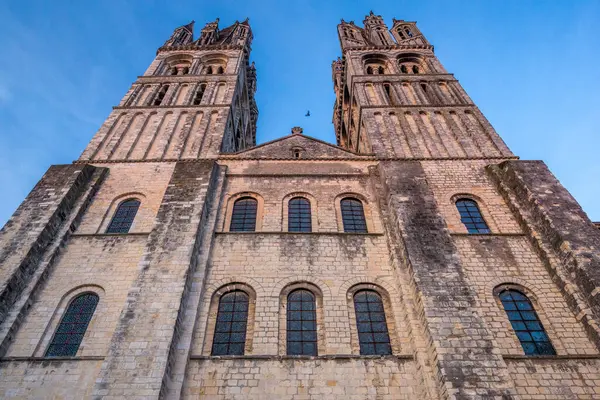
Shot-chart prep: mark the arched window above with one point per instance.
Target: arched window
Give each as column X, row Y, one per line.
column 370, row 70
column 301, row 324
column 353, row 216
column 400, row 33
column 526, row 323
column 299, row 217
column 243, row 217
column 72, row 327
column 389, row 94
column 371, row 324
column 230, row 328
column 199, row 94
column 403, row 69
column 186, row 70
column 161, row 95
column 209, row 70
column 415, row 69
column 408, row 32
column 380, row 70
column 123, row 218
column 220, row 71
column 471, row 216
column 173, row 71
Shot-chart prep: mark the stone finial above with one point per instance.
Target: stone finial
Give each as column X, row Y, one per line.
column 296, row 130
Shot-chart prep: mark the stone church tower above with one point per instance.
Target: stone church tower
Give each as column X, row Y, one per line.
column 416, row 259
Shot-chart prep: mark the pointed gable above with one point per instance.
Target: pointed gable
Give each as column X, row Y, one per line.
column 297, row 146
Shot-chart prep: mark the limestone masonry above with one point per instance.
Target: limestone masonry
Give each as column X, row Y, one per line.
column 416, row 259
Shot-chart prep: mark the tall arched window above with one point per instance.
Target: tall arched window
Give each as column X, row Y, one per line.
column 526, row 323
column 301, row 323
column 372, row 328
column 199, row 94
column 243, row 217
column 471, row 216
column 230, row 329
column 403, row 69
column 415, row 69
column 209, row 70
column 299, row 217
column 124, row 216
column 370, row 70
column 353, row 215
column 72, row 327
column 161, row 95
column 220, row 71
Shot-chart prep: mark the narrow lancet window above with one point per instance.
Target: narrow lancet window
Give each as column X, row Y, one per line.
column 161, row 95
column 372, row 328
column 526, row 324
column 243, row 217
column 199, row 94
column 124, row 216
column 72, row 327
column 471, row 216
column 299, row 216
column 301, row 324
column 230, row 328
column 353, row 216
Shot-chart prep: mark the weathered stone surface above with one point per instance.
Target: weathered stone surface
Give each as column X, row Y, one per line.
column 410, row 144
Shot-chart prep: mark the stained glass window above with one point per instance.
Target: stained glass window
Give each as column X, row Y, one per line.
column 526, row 323
column 72, row 327
column 230, row 329
column 243, row 217
column 301, row 323
column 471, row 216
column 371, row 324
column 353, row 216
column 299, row 218
column 123, row 218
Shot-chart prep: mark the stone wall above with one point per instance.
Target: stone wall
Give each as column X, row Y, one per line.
column 380, row 378
column 48, row 379
column 555, row 378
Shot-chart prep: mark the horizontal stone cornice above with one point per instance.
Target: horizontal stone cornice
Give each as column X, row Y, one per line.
column 195, row 47
column 388, row 47
column 172, row 106
column 307, row 358
column 166, row 79
column 355, row 158
column 332, row 233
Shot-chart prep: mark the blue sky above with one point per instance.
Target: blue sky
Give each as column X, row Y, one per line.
column 532, row 68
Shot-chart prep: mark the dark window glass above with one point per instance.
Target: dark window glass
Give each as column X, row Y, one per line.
column 415, row 69
column 299, row 218
column 471, row 216
column 72, row 327
column 403, row 69
column 123, row 218
column 526, row 324
column 230, row 328
column 371, row 324
column 243, row 217
column 301, row 324
column 369, row 70
column 353, row 216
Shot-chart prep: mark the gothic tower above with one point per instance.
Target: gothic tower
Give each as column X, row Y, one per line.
column 416, row 259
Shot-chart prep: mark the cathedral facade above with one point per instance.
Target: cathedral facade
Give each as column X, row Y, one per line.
column 418, row 258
